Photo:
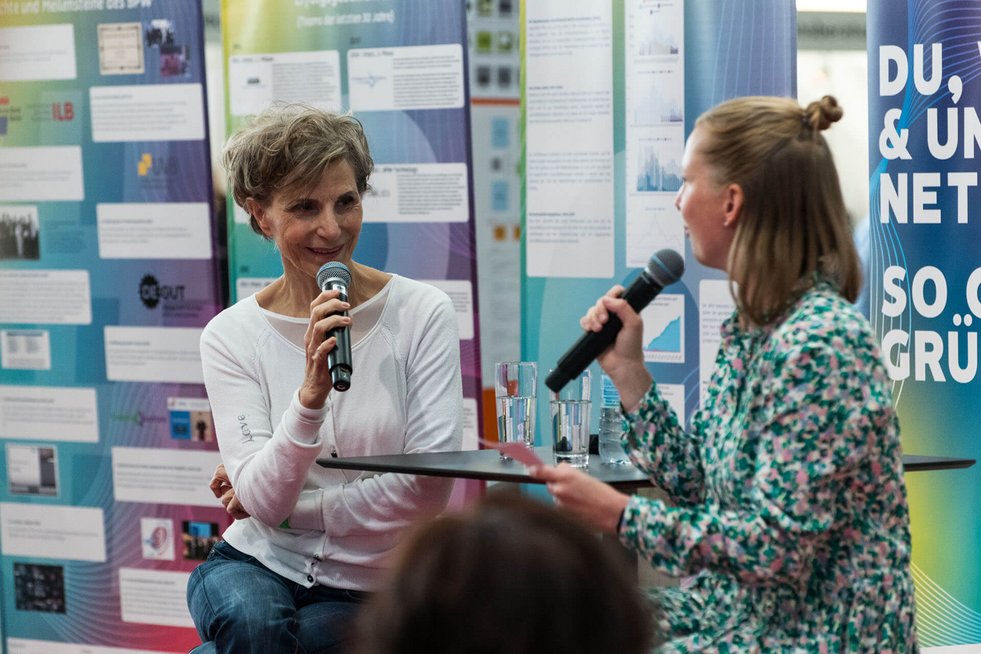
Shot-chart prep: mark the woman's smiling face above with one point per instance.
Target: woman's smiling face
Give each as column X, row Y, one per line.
column 315, row 225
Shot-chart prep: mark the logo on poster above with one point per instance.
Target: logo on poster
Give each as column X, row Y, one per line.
column 152, row 292
column 139, row 418
column 62, row 111
column 148, row 166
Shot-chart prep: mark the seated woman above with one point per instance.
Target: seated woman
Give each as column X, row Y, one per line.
column 310, row 542
column 509, row 575
column 789, row 505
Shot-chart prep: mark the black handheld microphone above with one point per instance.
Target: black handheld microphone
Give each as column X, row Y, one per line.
column 664, row 268
column 335, row 276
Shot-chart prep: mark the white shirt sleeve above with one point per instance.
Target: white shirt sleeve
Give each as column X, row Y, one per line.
column 258, row 458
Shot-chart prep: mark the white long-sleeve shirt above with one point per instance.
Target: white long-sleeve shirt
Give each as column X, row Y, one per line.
column 317, row 525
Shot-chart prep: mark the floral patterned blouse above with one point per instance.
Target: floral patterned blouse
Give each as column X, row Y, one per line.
column 788, row 500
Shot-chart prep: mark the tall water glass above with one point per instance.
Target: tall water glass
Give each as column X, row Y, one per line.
column 514, row 385
column 570, row 421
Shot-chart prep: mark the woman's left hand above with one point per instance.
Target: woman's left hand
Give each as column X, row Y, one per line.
column 594, row 502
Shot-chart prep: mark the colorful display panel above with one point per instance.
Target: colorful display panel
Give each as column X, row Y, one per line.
column 924, row 278
column 401, row 68
column 107, row 275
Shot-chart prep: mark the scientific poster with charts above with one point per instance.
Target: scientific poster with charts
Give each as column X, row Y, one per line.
column 401, row 68
column 605, row 126
column 107, row 276
column 924, row 278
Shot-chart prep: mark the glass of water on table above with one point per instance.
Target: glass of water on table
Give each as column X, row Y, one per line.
column 570, row 421
column 514, row 385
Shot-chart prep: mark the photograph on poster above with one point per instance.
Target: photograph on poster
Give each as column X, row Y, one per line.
column 198, row 538
column 19, row 233
column 39, row 587
column 25, row 349
column 157, row 538
column 190, row 419
column 32, row 470
column 174, row 60
column 120, row 49
column 159, row 32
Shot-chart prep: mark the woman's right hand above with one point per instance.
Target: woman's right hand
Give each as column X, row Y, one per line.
column 221, row 487
column 624, row 360
column 325, row 315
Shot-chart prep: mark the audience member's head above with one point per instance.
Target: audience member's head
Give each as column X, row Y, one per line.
column 509, row 575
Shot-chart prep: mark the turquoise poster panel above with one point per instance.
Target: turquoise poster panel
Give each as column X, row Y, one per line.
column 603, row 146
column 107, row 275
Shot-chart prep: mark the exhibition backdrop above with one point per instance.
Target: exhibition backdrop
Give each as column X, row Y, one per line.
column 401, row 68
column 107, row 275
column 605, row 126
column 925, row 274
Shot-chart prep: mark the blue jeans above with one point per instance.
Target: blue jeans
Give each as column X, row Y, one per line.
column 241, row 606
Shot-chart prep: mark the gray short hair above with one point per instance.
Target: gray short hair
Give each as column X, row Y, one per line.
column 288, row 147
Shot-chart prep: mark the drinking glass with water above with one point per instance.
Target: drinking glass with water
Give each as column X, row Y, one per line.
column 570, row 409
column 514, row 385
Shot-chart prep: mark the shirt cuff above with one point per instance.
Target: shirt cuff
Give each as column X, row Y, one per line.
column 305, row 425
column 645, row 401
column 308, row 514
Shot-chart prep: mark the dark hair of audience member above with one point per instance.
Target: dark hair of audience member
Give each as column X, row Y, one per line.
column 510, row 574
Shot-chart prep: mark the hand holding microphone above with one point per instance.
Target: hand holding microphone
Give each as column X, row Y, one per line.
column 664, row 268
column 335, row 276
column 327, row 339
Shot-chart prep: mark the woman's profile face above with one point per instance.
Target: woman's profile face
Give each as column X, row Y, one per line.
column 316, row 225
column 702, row 203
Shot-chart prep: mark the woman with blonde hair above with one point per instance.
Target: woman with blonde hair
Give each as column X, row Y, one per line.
column 787, row 500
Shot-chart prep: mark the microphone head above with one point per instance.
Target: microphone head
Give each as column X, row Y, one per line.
column 333, row 270
column 665, row 267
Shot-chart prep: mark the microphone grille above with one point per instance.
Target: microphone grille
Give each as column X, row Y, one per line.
column 333, row 270
column 666, row 267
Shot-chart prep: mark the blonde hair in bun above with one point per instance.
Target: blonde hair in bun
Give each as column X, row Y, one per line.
column 793, row 227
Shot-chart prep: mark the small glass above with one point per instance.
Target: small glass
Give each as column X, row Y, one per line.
column 514, row 385
column 570, row 421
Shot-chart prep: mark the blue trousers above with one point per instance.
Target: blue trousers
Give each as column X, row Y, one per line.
column 241, row 606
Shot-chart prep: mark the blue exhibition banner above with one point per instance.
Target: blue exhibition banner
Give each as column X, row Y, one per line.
column 107, row 275
column 924, row 280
